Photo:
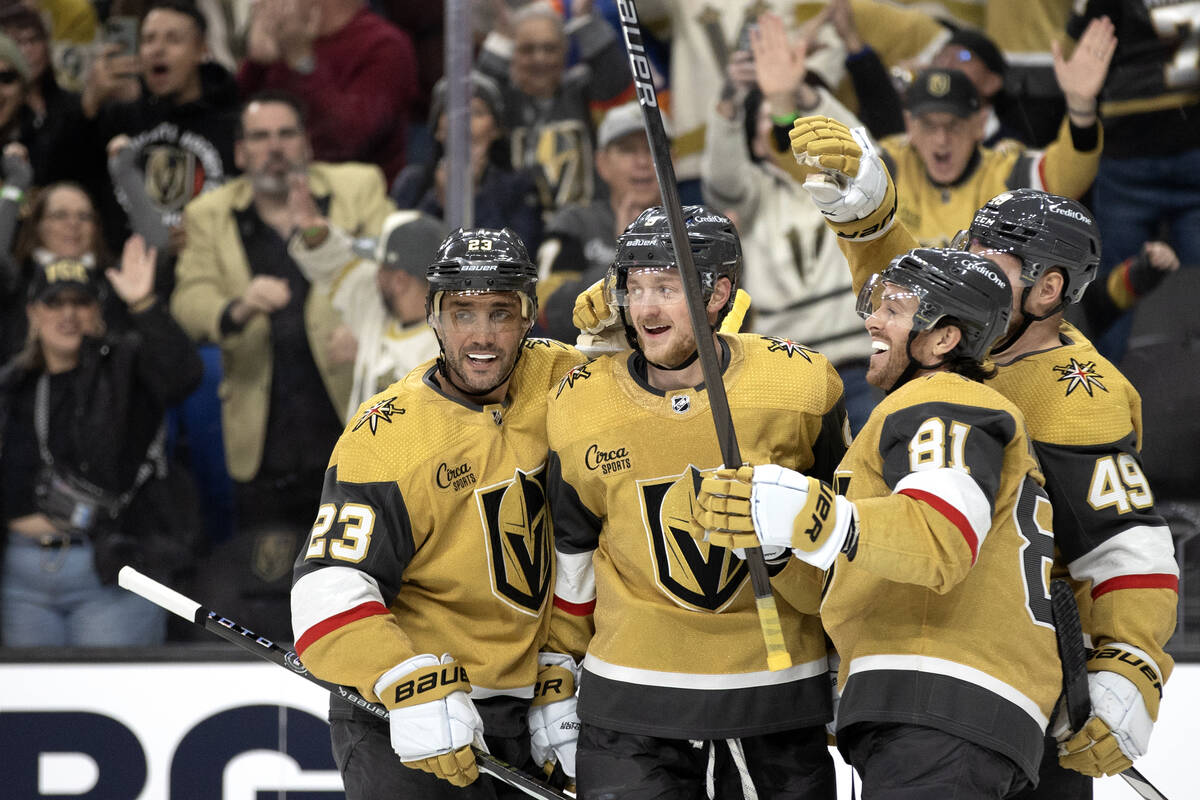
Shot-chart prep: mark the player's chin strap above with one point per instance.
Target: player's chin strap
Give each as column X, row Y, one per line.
column 1027, row 319
column 910, row 371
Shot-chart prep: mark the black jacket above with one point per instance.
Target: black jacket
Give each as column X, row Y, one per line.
column 125, row 383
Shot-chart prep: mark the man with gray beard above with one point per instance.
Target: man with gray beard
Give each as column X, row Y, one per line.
column 288, row 367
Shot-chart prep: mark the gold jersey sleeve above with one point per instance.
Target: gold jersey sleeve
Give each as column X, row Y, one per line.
column 676, row 649
column 434, row 526
column 941, row 617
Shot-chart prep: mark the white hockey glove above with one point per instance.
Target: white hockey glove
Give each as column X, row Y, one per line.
column 1125, row 690
column 433, row 722
column 772, row 506
column 847, row 179
column 553, row 723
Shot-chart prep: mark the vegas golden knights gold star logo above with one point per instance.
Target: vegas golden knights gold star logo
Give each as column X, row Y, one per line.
column 693, row 574
column 1080, row 375
column 383, row 410
column 516, row 519
column 780, row 345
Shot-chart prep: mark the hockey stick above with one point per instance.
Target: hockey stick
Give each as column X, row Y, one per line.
column 171, row 600
column 1076, row 696
column 768, row 615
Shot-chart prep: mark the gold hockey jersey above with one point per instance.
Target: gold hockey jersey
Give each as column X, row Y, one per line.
column 669, row 626
column 434, row 535
column 933, row 214
column 941, row 615
column 1085, row 421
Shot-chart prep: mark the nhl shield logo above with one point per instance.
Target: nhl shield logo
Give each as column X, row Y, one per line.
column 698, row 576
column 681, row 403
column 516, row 520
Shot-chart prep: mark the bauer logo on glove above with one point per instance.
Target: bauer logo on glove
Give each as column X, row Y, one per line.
column 444, row 678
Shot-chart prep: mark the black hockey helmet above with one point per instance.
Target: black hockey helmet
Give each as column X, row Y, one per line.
column 482, row 260
column 1044, row 231
column 716, row 249
column 949, row 283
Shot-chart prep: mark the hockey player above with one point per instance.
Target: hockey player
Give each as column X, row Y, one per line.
column 428, row 572
column 675, row 696
column 1084, row 420
column 937, row 601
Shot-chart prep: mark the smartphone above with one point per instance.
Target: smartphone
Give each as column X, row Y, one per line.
column 122, row 31
column 743, row 40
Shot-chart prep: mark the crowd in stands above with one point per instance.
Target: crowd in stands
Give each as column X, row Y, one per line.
column 274, row 177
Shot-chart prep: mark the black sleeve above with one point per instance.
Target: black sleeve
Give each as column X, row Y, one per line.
column 167, row 362
column 830, row 446
column 576, row 528
column 879, row 104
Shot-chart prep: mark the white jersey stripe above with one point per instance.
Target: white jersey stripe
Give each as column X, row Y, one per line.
column 1139, row 550
column 576, row 580
column 951, row 669
column 958, row 489
column 327, row 592
column 718, row 682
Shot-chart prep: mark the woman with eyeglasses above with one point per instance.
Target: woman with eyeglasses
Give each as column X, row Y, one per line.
column 81, row 447
column 62, row 225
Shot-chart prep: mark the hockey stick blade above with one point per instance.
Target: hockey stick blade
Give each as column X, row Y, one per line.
column 166, row 597
column 778, row 657
column 1076, row 695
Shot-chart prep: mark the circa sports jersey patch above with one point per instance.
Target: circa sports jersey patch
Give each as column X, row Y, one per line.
column 381, row 411
column 1080, row 375
column 607, row 461
column 579, row 373
column 534, row 342
column 455, row 476
column 778, row 344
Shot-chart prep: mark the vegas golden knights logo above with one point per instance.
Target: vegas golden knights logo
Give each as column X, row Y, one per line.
column 699, row 576
column 516, row 519
column 171, row 178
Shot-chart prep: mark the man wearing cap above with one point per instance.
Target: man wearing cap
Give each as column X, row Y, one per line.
column 581, row 240
column 381, row 296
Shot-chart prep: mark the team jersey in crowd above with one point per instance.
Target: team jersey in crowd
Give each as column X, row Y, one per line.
column 934, row 213
column 1118, row 548
column 434, row 535
column 1085, row 420
column 703, row 34
column 1151, row 98
column 794, row 271
column 677, row 651
column 942, row 619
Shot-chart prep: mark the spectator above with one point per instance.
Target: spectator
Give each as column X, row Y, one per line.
column 968, row 51
column 51, row 113
column 582, row 239
column 942, row 173
column 14, row 80
column 81, row 411
column 355, row 71
column 285, row 389
column 546, row 104
column 179, row 130
column 381, row 299
column 1148, row 182
column 795, row 272
column 503, row 198
column 62, row 225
